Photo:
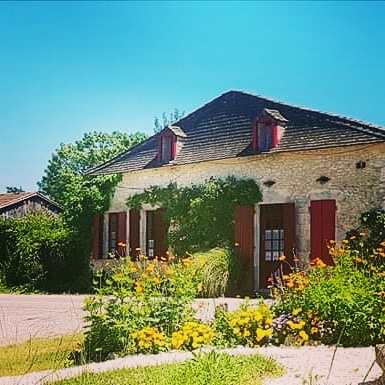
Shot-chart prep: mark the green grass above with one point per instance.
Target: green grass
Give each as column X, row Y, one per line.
column 37, row 354
column 205, row 369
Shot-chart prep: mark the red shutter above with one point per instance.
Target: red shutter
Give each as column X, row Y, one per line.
column 134, row 231
column 288, row 219
column 122, row 228
column 96, row 236
column 322, row 228
column 275, row 135
column 244, row 245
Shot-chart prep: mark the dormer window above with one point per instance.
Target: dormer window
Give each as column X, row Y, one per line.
column 170, row 142
column 167, row 151
column 268, row 130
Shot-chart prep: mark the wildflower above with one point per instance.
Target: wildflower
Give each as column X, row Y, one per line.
column 303, row 335
column 296, row 311
column 282, row 257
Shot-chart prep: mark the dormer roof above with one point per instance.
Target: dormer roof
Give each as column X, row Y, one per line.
column 177, row 131
column 275, row 114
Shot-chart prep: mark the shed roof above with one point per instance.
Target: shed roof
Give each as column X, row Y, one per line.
column 10, row 199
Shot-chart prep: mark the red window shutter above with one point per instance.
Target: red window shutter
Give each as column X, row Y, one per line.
column 275, row 135
column 322, row 228
column 174, row 147
column 122, row 227
column 96, row 236
column 160, row 231
column 288, row 217
column 134, row 231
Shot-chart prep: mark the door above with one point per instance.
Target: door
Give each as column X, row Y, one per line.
column 277, row 238
column 322, row 228
column 156, row 234
column 244, row 247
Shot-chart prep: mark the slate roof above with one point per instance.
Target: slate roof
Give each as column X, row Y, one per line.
column 223, row 129
column 10, row 199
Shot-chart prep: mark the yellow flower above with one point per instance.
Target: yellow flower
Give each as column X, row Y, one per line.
column 282, row 258
column 296, row 311
column 303, row 335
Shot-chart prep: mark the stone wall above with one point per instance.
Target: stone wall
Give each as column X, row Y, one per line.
column 295, row 175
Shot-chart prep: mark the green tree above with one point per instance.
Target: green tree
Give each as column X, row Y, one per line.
column 82, row 196
column 167, row 119
column 14, row 190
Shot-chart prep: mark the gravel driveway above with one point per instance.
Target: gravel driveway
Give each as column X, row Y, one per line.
column 27, row 316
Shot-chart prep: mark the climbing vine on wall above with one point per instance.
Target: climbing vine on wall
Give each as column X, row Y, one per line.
column 200, row 216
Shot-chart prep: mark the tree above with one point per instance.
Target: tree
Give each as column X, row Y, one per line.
column 14, row 190
column 83, row 196
column 167, row 119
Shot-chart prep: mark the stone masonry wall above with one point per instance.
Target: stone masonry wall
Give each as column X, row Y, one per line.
column 295, row 175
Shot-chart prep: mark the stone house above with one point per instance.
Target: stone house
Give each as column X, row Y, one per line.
column 17, row 205
column 317, row 172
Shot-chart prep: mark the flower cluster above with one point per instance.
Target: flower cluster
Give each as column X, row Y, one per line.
column 252, row 326
column 192, row 335
column 149, row 340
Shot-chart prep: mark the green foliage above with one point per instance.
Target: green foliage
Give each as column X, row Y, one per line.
column 14, row 190
column 40, row 253
column 370, row 233
column 167, row 120
column 201, row 216
column 37, row 354
column 138, row 295
column 217, row 271
column 205, row 369
column 348, row 298
column 82, row 196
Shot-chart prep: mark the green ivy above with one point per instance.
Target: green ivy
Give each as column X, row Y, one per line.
column 200, row 216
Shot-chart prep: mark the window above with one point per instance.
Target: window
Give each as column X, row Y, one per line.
column 268, row 130
column 166, row 148
column 171, row 140
column 265, row 137
column 117, row 232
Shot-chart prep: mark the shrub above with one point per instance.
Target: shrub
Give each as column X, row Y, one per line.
column 216, row 270
column 138, row 295
column 39, row 253
column 248, row 326
column 347, row 298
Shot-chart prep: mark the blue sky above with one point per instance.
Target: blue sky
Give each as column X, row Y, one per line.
column 67, row 68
